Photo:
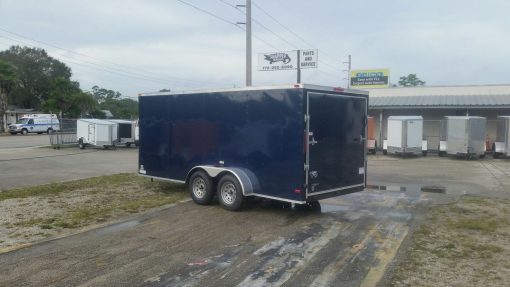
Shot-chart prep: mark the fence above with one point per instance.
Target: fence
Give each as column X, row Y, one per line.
column 65, row 136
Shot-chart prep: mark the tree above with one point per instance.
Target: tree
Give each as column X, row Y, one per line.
column 410, row 81
column 112, row 101
column 101, row 94
column 7, row 81
column 35, row 71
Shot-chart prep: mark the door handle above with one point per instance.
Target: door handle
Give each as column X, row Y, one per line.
column 361, row 138
column 311, row 141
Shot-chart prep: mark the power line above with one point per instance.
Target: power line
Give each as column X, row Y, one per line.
column 261, row 25
column 97, row 66
column 292, row 32
column 207, row 12
column 227, row 21
column 100, row 60
column 277, row 35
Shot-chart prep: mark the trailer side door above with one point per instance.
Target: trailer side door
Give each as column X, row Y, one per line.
column 337, row 127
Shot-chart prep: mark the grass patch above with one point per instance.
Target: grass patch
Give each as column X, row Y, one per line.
column 108, row 183
column 96, row 199
column 470, row 232
column 481, row 224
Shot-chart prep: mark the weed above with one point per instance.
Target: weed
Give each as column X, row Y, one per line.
column 481, row 224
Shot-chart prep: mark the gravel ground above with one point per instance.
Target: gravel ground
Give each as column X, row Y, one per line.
column 36, row 213
column 466, row 243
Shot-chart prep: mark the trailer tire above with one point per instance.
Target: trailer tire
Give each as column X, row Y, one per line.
column 24, row 132
column 201, row 187
column 81, row 144
column 230, row 193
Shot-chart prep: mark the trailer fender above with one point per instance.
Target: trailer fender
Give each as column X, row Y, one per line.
column 248, row 180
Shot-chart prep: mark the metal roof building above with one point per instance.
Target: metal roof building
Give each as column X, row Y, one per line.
column 435, row 102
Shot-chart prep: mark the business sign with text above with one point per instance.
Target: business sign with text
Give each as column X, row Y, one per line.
column 379, row 78
column 288, row 60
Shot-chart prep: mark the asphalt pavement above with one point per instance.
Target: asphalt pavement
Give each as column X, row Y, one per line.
column 22, row 141
column 26, row 166
column 352, row 241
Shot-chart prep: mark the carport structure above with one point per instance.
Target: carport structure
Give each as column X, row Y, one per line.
column 435, row 102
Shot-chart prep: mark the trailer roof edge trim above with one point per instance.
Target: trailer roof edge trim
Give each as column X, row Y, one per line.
column 256, row 88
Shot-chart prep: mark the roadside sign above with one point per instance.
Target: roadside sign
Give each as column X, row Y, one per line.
column 309, row 59
column 276, row 61
column 377, row 78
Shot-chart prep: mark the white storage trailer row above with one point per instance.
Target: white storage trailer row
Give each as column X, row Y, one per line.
column 463, row 136
column 502, row 144
column 459, row 136
column 405, row 136
column 105, row 133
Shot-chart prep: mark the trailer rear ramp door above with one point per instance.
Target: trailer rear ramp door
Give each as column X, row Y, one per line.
column 336, row 128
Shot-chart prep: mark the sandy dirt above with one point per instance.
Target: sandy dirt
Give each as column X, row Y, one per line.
column 466, row 243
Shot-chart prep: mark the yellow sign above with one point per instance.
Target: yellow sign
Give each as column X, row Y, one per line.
column 367, row 79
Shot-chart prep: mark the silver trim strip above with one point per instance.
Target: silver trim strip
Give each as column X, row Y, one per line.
column 277, row 198
column 275, row 87
column 162, row 178
column 336, row 189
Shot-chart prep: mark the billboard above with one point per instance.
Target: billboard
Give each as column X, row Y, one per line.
column 276, row 61
column 377, row 78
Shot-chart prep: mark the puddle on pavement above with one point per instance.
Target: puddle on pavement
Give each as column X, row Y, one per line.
column 426, row 188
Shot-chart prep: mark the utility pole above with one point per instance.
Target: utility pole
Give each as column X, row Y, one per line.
column 248, row 40
column 248, row 43
column 349, row 62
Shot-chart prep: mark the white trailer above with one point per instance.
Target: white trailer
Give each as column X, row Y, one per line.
column 405, row 136
column 463, row 136
column 126, row 132
column 96, row 132
column 502, row 144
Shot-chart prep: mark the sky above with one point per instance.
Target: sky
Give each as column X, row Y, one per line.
column 135, row 46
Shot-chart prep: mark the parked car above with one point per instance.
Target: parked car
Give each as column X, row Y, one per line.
column 35, row 123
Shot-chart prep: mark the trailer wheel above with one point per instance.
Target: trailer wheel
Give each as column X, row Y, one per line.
column 81, row 144
column 230, row 194
column 201, row 187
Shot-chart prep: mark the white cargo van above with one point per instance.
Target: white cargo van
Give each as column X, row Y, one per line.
column 35, row 123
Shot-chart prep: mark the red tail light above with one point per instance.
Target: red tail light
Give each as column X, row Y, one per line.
column 297, row 190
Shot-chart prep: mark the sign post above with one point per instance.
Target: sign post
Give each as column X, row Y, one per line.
column 298, row 67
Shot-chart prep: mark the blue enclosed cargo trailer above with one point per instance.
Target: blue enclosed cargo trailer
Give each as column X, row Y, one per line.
column 296, row 143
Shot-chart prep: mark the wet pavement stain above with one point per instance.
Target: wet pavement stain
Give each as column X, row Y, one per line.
column 427, row 188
